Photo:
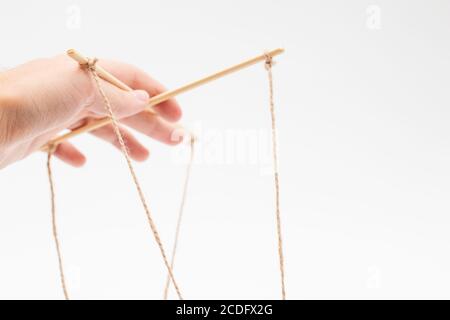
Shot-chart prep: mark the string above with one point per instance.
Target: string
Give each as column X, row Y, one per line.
column 51, row 150
column 170, row 277
column 180, row 214
column 91, row 67
column 268, row 65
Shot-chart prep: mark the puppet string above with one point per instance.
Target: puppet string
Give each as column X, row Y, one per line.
column 51, row 150
column 170, row 277
column 180, row 213
column 268, row 65
column 92, row 69
column 115, row 124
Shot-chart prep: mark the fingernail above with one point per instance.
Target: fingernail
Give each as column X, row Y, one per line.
column 178, row 135
column 141, row 95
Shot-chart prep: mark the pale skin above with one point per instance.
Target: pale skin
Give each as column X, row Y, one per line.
column 41, row 98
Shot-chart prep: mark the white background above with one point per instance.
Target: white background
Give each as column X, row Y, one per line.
column 362, row 97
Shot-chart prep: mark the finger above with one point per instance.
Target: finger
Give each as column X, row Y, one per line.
column 138, row 79
column 70, row 155
column 122, row 103
column 155, row 127
column 136, row 150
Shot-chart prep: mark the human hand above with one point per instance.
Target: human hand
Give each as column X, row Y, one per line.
column 45, row 96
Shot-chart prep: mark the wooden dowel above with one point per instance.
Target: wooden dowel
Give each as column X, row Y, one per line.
column 105, row 75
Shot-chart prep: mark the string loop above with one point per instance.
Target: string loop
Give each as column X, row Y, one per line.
column 91, row 64
column 192, row 141
column 269, row 63
column 91, row 67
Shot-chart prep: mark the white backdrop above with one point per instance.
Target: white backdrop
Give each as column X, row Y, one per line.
column 362, row 97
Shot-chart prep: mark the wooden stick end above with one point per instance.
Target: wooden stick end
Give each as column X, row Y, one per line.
column 276, row 52
column 75, row 55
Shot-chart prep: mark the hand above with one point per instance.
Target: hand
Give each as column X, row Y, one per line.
column 45, row 96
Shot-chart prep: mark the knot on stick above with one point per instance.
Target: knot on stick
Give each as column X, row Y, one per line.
column 91, row 64
column 269, row 61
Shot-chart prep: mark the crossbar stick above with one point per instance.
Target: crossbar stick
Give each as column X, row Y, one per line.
column 105, row 75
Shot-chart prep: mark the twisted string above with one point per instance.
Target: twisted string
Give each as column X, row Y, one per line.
column 180, row 214
column 91, row 66
column 268, row 65
column 170, row 277
column 50, row 152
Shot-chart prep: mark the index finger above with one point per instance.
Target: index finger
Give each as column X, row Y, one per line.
column 138, row 79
